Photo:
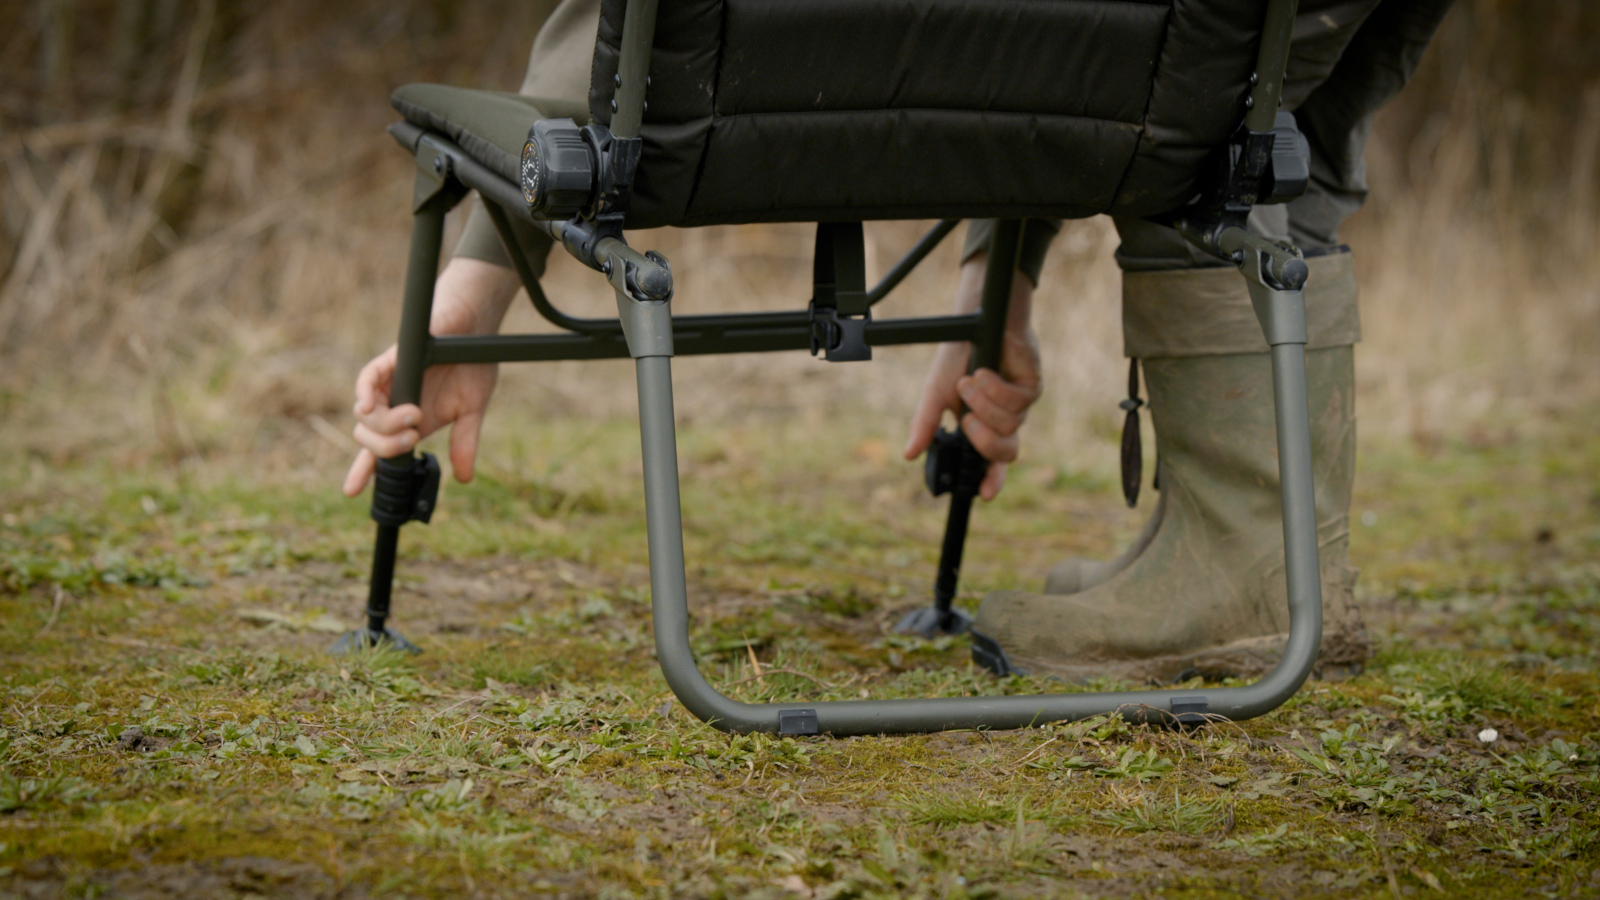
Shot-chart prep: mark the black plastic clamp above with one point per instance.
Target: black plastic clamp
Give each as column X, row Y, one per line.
column 618, row 159
column 953, row 464
column 797, row 721
column 1254, row 167
column 406, row 489
column 838, row 337
column 1190, row 712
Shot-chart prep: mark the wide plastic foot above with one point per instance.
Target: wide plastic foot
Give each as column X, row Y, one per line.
column 363, row 639
column 931, row 622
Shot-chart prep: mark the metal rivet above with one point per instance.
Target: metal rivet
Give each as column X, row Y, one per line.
column 613, row 106
column 1254, row 78
column 438, row 164
column 647, row 81
column 1249, row 102
column 618, row 79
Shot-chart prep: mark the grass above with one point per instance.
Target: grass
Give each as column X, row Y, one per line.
column 1156, row 812
column 172, row 724
column 192, row 287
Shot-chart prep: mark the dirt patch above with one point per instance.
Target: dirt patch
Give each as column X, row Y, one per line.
column 228, row 877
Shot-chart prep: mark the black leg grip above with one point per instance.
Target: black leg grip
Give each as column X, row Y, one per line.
column 405, row 490
column 953, row 465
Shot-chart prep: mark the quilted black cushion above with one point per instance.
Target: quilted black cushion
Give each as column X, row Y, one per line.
column 832, row 110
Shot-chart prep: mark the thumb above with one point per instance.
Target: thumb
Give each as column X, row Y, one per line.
column 360, row 473
column 924, row 422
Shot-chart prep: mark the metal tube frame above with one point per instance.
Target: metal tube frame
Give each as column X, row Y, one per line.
column 1282, row 315
column 602, row 338
column 653, row 336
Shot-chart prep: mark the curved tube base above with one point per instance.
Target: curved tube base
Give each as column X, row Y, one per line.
column 1186, row 707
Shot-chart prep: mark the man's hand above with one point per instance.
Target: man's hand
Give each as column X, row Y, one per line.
column 991, row 406
column 470, row 297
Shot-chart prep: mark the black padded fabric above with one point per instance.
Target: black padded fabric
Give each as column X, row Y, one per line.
column 773, row 110
column 835, row 110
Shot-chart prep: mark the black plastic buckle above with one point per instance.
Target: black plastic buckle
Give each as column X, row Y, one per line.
column 405, row 490
column 840, row 308
column 953, row 464
column 839, row 338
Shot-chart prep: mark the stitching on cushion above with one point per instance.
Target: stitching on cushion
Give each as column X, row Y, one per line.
column 711, row 117
column 1144, row 120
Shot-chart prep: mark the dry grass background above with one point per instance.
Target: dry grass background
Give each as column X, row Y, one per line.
column 204, row 231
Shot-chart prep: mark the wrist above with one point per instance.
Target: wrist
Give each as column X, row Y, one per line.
column 1019, row 315
column 969, row 294
column 472, row 297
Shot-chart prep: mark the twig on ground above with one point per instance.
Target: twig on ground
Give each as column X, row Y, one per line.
column 755, row 664
column 141, row 643
column 55, row 610
column 1032, row 753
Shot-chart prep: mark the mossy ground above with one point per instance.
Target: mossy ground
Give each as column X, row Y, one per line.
column 170, row 724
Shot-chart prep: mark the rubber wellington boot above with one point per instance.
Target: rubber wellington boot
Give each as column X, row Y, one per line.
column 1202, row 591
column 1080, row 573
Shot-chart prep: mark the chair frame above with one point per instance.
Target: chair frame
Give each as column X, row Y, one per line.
column 646, row 330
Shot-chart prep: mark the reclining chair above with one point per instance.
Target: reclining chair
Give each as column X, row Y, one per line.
column 707, row 112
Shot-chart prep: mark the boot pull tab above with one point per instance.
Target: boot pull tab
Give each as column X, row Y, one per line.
column 1132, row 450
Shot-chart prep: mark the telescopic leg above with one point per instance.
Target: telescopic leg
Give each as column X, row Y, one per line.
column 406, row 486
column 953, row 464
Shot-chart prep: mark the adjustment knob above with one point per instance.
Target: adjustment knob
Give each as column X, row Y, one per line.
column 558, row 170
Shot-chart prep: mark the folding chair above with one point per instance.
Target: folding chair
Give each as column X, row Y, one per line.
column 708, row 112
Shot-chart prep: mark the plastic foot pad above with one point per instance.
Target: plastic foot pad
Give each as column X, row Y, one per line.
column 362, row 639
column 930, row 622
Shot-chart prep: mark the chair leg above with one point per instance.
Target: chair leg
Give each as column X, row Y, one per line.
column 953, row 464
column 406, row 485
column 669, row 592
column 1283, row 316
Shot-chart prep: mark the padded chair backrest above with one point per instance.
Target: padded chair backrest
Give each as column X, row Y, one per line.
column 819, row 110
